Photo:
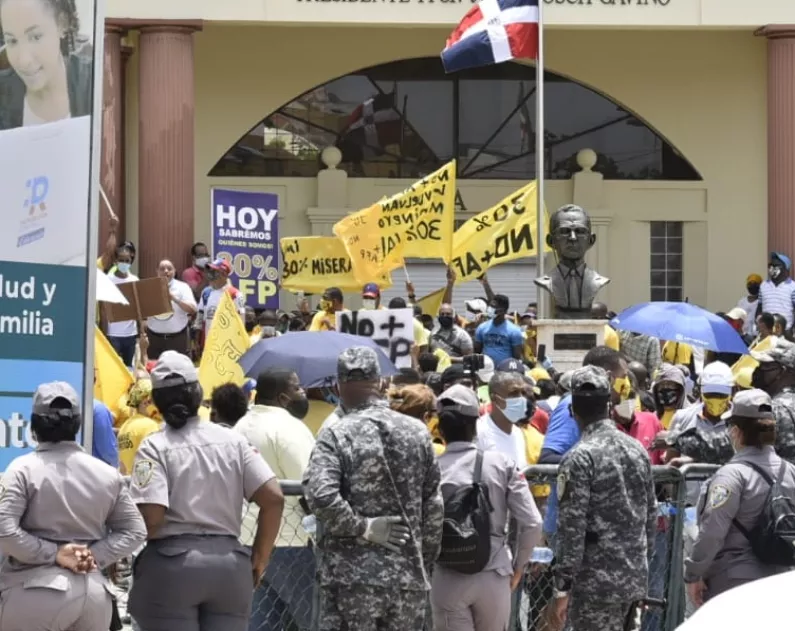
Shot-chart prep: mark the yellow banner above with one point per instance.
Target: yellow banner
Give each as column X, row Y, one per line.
column 112, row 379
column 226, row 342
column 312, row 264
column 417, row 223
column 503, row 233
column 747, row 364
column 430, row 304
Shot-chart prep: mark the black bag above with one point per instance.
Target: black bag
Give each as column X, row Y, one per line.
column 466, row 531
column 773, row 536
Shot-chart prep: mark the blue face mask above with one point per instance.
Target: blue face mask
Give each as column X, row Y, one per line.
column 124, row 268
column 515, row 409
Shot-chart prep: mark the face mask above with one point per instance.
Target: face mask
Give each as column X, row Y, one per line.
column 298, row 408
column 368, row 303
column 124, row 268
column 531, row 409
column 515, row 409
column 753, row 289
column 667, row 398
column 491, row 312
column 201, row 262
column 626, row 409
column 325, row 305
column 773, row 272
column 446, row 322
column 714, row 407
column 622, row 387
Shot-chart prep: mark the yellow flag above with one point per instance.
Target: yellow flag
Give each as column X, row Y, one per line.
column 417, row 222
column 500, row 234
column 226, row 342
column 312, row 264
column 430, row 304
column 112, row 378
column 747, row 363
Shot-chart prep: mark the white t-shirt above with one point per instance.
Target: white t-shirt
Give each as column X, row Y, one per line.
column 178, row 320
column 127, row 328
column 511, row 445
column 749, row 326
column 208, row 307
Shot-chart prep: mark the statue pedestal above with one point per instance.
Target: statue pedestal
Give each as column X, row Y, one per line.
column 567, row 341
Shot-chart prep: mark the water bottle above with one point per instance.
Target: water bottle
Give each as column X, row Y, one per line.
column 309, row 524
column 542, row 555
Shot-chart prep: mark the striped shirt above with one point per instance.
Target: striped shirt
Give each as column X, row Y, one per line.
column 778, row 298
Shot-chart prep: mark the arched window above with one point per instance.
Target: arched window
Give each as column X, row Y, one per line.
column 406, row 118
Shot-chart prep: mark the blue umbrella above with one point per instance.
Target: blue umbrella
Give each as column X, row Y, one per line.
column 311, row 355
column 681, row 322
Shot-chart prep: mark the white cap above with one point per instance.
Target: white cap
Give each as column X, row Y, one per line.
column 716, row 378
column 737, row 314
column 478, row 305
column 487, row 372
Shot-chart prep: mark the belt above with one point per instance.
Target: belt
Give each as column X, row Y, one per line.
column 166, row 336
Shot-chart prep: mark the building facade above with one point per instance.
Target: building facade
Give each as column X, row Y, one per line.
column 671, row 121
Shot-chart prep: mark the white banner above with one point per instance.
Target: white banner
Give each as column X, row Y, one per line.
column 391, row 329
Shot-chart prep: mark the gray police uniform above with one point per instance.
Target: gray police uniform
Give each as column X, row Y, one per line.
column 722, row 555
column 373, row 462
column 607, row 519
column 57, row 495
column 194, row 573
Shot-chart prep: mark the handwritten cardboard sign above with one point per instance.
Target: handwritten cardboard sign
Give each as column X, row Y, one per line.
column 391, row 329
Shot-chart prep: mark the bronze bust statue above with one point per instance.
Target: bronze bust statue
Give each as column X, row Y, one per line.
column 572, row 283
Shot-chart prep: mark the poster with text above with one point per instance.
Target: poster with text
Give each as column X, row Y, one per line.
column 391, row 329
column 47, row 138
column 245, row 228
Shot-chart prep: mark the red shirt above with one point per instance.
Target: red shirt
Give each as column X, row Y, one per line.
column 539, row 420
column 644, row 428
column 194, row 277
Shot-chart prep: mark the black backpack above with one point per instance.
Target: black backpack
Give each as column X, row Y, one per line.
column 773, row 536
column 466, row 531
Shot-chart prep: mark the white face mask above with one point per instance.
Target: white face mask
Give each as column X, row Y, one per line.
column 625, row 409
column 774, row 272
column 368, row 303
column 201, row 261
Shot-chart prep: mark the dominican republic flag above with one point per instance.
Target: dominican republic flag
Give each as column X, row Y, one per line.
column 371, row 127
column 491, row 32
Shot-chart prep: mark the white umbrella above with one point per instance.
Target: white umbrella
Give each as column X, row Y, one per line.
column 107, row 290
column 762, row 604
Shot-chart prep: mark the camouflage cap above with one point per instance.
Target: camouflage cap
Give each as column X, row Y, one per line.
column 590, row 381
column 782, row 353
column 565, row 380
column 750, row 404
column 358, row 363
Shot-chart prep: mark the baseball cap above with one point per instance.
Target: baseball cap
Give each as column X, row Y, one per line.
column 565, row 380
column 783, row 353
column 478, row 305
column 538, row 373
column 173, row 369
column 511, row 365
column 47, row 393
column 358, row 363
column 716, row 378
column 751, row 404
column 737, row 314
column 753, row 278
column 487, row 372
column 371, row 290
column 220, row 265
column 783, row 258
column 459, row 399
column 590, row 381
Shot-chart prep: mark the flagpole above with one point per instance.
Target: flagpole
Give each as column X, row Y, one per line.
column 541, row 297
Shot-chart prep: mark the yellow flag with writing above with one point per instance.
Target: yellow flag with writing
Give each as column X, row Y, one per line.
column 504, row 232
column 418, row 222
column 226, row 342
column 312, row 264
column 112, row 379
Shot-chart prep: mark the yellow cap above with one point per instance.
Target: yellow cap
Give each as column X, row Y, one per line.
column 753, row 278
column 538, row 373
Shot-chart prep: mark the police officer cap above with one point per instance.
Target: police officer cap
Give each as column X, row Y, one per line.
column 358, row 363
column 590, row 381
column 782, row 353
column 47, row 393
column 459, row 399
column 751, row 404
column 173, row 369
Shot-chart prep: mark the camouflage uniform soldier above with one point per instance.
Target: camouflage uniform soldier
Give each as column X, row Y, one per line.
column 373, row 484
column 776, row 376
column 607, row 516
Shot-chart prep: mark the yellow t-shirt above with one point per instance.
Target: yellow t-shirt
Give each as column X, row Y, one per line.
column 677, row 353
column 533, row 442
column 131, row 435
column 611, row 338
column 421, row 334
column 318, row 412
column 317, row 323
